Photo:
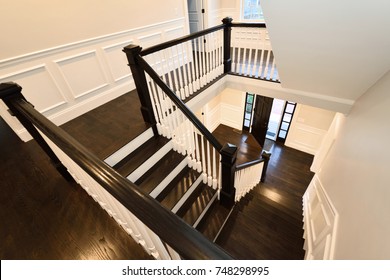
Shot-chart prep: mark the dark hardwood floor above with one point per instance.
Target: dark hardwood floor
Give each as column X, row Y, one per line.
column 267, row 222
column 44, row 217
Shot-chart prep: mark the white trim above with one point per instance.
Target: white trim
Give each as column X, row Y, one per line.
column 78, row 44
column 157, row 190
column 143, row 168
column 205, row 210
column 184, row 198
column 316, row 202
column 129, row 147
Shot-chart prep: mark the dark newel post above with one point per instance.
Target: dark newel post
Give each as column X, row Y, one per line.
column 132, row 51
column 228, row 163
column 227, row 39
column 10, row 92
column 266, row 156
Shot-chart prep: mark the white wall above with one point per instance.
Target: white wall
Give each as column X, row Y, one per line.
column 232, row 108
column 355, row 175
column 330, row 47
column 308, row 128
column 68, row 56
column 29, row 26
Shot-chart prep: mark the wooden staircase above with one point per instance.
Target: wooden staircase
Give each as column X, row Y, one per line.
column 152, row 164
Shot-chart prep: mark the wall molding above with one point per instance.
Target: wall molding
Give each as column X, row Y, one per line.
column 66, row 81
column 305, row 138
column 82, row 43
column 320, row 222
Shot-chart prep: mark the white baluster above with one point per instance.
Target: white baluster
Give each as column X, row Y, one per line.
column 198, row 164
column 203, row 57
column 197, row 64
column 204, row 174
column 191, row 69
column 180, row 74
column 173, row 70
column 209, row 177
column 266, row 68
column 185, row 70
column 215, row 181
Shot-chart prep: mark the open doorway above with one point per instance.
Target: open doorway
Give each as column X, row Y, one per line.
column 275, row 119
column 196, row 15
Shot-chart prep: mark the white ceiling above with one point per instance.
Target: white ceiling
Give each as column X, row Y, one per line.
column 338, row 48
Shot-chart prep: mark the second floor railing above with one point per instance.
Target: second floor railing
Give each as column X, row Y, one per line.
column 170, row 73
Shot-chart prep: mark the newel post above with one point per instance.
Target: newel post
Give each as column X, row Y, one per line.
column 266, row 156
column 132, row 51
column 227, row 39
column 228, row 164
column 12, row 92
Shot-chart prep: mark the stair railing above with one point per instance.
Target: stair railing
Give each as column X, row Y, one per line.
column 162, row 234
column 170, row 73
column 251, row 52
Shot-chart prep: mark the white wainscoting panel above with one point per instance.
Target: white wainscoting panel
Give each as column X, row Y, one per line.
column 117, row 61
column 231, row 115
column 83, row 73
column 213, row 118
column 37, row 80
column 174, row 33
column 305, row 138
column 320, row 222
column 66, row 81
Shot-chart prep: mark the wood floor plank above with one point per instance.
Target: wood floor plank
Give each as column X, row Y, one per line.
column 45, row 217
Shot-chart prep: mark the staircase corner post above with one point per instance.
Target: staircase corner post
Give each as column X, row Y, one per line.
column 266, row 156
column 228, row 165
column 12, row 92
column 132, row 52
column 227, row 39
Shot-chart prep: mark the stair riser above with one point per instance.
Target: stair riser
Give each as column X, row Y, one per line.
column 143, row 168
column 168, row 179
column 184, row 198
column 129, row 148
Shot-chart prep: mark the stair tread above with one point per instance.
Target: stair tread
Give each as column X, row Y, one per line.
column 131, row 162
column 214, row 221
column 177, row 188
column 157, row 173
column 196, row 203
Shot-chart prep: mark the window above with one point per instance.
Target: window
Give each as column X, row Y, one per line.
column 251, row 10
column 250, row 98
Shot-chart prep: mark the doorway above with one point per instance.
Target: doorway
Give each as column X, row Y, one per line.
column 261, row 116
column 266, row 117
column 196, row 15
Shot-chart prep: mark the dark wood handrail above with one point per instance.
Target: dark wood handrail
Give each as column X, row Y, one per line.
column 194, row 35
column 187, row 241
column 179, row 103
column 248, row 164
column 249, row 24
column 180, row 40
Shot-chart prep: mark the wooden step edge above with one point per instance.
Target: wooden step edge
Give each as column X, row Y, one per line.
column 150, row 162
column 164, row 183
column 223, row 225
column 188, row 193
column 205, row 210
column 141, row 154
column 127, row 149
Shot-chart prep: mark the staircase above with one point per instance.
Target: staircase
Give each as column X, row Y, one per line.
column 151, row 163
